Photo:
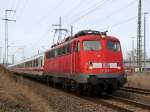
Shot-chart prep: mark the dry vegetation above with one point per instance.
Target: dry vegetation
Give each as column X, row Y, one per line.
column 139, row 80
column 13, row 94
column 20, row 95
column 37, row 97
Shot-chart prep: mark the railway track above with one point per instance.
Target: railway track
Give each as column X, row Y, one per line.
column 114, row 102
column 120, row 104
column 108, row 104
column 131, row 102
column 136, row 90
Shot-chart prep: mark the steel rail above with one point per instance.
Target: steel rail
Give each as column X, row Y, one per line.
column 110, row 105
column 136, row 90
column 107, row 104
column 131, row 102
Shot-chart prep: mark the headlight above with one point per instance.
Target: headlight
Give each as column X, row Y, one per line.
column 118, row 67
column 90, row 67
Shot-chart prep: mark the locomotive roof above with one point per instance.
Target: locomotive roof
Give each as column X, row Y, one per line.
column 81, row 34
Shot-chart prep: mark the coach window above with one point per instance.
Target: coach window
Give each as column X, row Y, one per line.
column 30, row 63
column 35, row 63
column 26, row 65
column 41, row 63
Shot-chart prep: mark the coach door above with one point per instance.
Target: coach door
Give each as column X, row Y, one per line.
column 76, row 57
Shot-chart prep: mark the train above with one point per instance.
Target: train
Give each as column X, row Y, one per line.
column 89, row 61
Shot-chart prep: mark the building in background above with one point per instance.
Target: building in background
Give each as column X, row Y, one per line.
column 130, row 62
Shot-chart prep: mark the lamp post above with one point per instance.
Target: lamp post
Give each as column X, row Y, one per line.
column 145, row 13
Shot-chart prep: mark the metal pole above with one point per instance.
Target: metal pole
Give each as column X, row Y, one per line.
column 133, row 59
column 59, row 30
column 6, row 36
column 71, row 31
column 13, row 59
column 0, row 54
column 139, row 38
column 145, row 13
column 6, row 40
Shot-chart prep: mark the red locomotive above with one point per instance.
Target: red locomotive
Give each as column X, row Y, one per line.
column 89, row 61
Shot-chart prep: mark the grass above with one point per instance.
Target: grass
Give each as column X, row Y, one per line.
column 139, row 80
column 12, row 90
column 6, row 106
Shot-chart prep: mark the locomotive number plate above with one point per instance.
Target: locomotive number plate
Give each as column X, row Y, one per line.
column 97, row 65
column 104, row 65
column 113, row 65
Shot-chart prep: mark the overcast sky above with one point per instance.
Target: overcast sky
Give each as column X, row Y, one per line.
column 33, row 29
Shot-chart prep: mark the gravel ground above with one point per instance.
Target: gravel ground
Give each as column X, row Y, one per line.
column 28, row 96
column 21, row 95
column 65, row 102
column 135, row 97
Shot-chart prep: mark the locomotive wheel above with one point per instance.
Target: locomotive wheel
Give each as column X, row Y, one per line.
column 48, row 81
column 55, row 85
column 79, row 89
column 66, row 86
column 110, row 89
column 89, row 90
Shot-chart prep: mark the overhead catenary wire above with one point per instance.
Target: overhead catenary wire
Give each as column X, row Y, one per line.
column 110, row 26
column 100, row 4
column 116, row 11
column 10, row 4
column 124, row 21
column 147, row 1
column 119, row 10
column 120, row 23
column 40, row 39
column 22, row 9
column 78, row 5
column 86, row 10
column 49, row 12
column 13, row 4
column 17, row 5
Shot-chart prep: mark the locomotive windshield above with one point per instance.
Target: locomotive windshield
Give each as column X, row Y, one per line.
column 114, row 46
column 91, row 45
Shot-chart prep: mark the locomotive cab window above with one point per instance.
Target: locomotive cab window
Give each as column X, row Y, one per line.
column 91, row 45
column 114, row 46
